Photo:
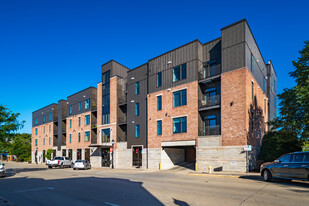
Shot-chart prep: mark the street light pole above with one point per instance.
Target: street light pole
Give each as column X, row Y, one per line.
column 113, row 154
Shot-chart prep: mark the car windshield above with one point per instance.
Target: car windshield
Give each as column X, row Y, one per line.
column 58, row 158
column 80, row 161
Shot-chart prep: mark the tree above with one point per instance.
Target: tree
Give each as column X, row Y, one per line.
column 20, row 146
column 290, row 130
column 48, row 154
column 8, row 124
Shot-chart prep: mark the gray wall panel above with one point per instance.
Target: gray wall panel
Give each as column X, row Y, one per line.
column 52, row 108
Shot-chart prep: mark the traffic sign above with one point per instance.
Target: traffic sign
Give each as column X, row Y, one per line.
column 248, row 148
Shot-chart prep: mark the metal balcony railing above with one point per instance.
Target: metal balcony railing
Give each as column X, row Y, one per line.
column 210, row 71
column 122, row 138
column 209, row 101
column 106, row 139
column 210, row 130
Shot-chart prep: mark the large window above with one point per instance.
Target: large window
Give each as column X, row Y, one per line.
column 79, row 106
column 137, row 109
column 159, row 127
column 87, row 103
column 159, row 102
column 87, row 119
column 137, row 130
column 106, row 135
column 180, row 125
column 180, row 98
column 87, row 136
column 159, row 79
column 70, row 109
column 179, row 72
column 106, row 97
column 137, row 88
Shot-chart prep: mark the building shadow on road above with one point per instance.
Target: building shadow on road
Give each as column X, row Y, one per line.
column 76, row 191
column 280, row 182
column 12, row 172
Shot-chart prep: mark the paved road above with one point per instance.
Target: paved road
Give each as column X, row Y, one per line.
column 37, row 185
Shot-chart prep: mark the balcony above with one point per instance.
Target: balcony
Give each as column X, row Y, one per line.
column 106, row 139
column 210, row 102
column 122, row 120
column 210, row 130
column 122, row 138
column 122, row 101
column 210, row 71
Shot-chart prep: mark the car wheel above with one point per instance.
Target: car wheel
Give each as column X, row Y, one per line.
column 267, row 175
column 74, row 168
column 61, row 166
column 50, row 167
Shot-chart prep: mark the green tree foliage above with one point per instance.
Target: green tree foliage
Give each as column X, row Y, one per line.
column 8, row 124
column 291, row 129
column 20, row 146
column 49, row 154
column 277, row 143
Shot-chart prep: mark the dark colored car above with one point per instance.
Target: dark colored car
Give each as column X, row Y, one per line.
column 291, row 166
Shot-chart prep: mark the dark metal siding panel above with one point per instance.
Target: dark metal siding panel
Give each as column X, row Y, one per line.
column 186, row 54
column 233, row 35
column 233, row 57
column 81, row 97
column 106, row 67
column 212, row 50
column 119, row 70
column 140, row 75
column 45, row 111
column 62, row 108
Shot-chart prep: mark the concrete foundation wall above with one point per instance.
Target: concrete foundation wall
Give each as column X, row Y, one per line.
column 123, row 156
column 221, row 158
column 154, row 158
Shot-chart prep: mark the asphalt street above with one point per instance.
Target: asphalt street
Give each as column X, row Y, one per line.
column 29, row 184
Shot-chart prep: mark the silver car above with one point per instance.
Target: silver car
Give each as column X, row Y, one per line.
column 81, row 164
column 2, row 170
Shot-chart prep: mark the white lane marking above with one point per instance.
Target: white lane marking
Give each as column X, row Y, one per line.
column 112, row 204
column 36, row 189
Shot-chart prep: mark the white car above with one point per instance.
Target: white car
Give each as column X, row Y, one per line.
column 59, row 162
column 81, row 164
column 2, row 170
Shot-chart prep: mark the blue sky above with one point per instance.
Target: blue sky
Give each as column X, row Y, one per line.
column 52, row 49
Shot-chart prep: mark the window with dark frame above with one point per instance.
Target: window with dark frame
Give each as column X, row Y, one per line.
column 159, row 79
column 159, row 127
column 180, row 125
column 137, row 88
column 180, row 98
column 179, row 72
column 159, row 103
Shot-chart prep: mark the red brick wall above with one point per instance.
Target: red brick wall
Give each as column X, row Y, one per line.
column 41, row 135
column 168, row 112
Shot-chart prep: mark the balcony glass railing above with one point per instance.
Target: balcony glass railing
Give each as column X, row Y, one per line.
column 210, row 130
column 209, row 101
column 210, row 71
column 106, row 139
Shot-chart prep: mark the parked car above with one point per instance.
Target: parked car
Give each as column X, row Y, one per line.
column 291, row 166
column 2, row 170
column 59, row 162
column 81, row 164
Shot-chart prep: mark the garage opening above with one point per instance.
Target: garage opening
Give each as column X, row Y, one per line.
column 180, row 156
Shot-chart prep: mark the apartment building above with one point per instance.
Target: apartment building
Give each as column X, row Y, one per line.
column 199, row 103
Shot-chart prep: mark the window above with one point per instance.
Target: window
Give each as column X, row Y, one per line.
column 79, row 137
column 36, row 142
column 70, row 109
column 137, row 88
column 49, row 128
column 79, row 121
column 106, row 135
column 159, row 127
column 87, row 136
column 70, row 123
column 180, row 98
column 49, row 140
column 137, row 109
column 50, row 116
column 179, row 72
column 36, row 121
column 252, row 90
column 285, row 158
column 159, row 102
column 79, row 106
column 87, row 103
column 70, row 138
column 180, row 125
column 159, row 79
column 137, row 130
column 44, row 118
column 36, row 131
column 251, row 62
column 43, row 141
column 106, row 97
column 87, row 119
column 298, row 157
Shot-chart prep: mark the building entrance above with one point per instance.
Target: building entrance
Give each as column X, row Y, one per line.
column 43, row 156
column 87, row 154
column 106, row 159
column 137, row 156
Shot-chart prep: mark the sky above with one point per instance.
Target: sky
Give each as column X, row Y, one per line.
column 54, row 48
